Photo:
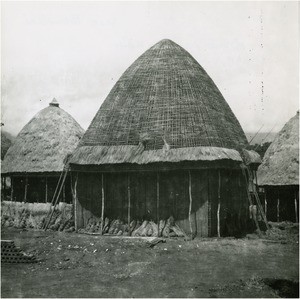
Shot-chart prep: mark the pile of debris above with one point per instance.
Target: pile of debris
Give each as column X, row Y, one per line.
column 165, row 228
column 283, row 231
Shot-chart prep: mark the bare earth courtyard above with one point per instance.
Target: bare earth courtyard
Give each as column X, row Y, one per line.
column 80, row 265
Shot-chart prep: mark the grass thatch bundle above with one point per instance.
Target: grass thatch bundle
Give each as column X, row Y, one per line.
column 166, row 228
column 164, row 102
column 33, row 215
column 280, row 165
column 100, row 155
column 43, row 144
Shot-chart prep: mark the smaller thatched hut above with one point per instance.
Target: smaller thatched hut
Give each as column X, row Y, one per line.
column 36, row 158
column 278, row 174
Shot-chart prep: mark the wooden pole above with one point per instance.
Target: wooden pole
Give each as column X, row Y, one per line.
column 129, row 200
column 11, row 189
column 191, row 202
column 51, row 211
column 266, row 203
column 64, row 193
column 102, row 209
column 296, row 207
column 75, row 202
column 219, row 203
column 4, row 186
column 256, row 185
column 157, row 201
column 26, row 186
column 46, row 191
column 278, row 207
column 249, row 198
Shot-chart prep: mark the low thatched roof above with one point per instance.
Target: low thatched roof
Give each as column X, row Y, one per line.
column 251, row 157
column 280, row 165
column 165, row 99
column 43, row 144
column 101, row 155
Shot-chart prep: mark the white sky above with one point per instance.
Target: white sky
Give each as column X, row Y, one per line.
column 76, row 51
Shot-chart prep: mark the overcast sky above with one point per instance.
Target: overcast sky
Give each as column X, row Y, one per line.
column 76, row 51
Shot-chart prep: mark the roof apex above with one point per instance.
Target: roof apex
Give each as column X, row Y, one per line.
column 54, row 103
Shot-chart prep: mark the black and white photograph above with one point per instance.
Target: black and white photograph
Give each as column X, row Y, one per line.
column 149, row 149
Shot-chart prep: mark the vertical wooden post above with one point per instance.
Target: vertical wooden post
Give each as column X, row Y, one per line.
column 46, row 191
column 191, row 202
column 4, row 186
column 26, row 186
column 102, row 208
column 157, row 201
column 266, row 203
column 11, row 189
column 75, row 203
column 64, row 193
column 129, row 200
column 256, row 185
column 74, row 196
column 296, row 208
column 219, row 203
column 278, row 207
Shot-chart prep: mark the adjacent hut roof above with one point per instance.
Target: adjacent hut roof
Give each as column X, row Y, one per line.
column 6, row 142
column 43, row 144
column 280, row 165
column 165, row 101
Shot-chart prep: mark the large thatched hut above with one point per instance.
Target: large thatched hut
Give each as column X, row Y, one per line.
column 164, row 143
column 36, row 158
column 279, row 174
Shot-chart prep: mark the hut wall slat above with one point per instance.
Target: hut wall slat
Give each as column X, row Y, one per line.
column 143, row 188
column 213, row 198
column 137, row 209
column 79, row 193
column 84, row 206
column 200, row 201
column 150, row 196
column 182, row 200
column 116, row 206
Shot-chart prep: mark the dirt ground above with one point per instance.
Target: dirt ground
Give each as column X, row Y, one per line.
column 80, row 265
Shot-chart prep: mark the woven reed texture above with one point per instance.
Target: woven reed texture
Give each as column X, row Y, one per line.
column 280, row 165
column 43, row 144
column 165, row 97
column 100, row 155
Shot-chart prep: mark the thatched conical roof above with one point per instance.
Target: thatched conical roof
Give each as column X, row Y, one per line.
column 43, row 144
column 165, row 99
column 280, row 165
